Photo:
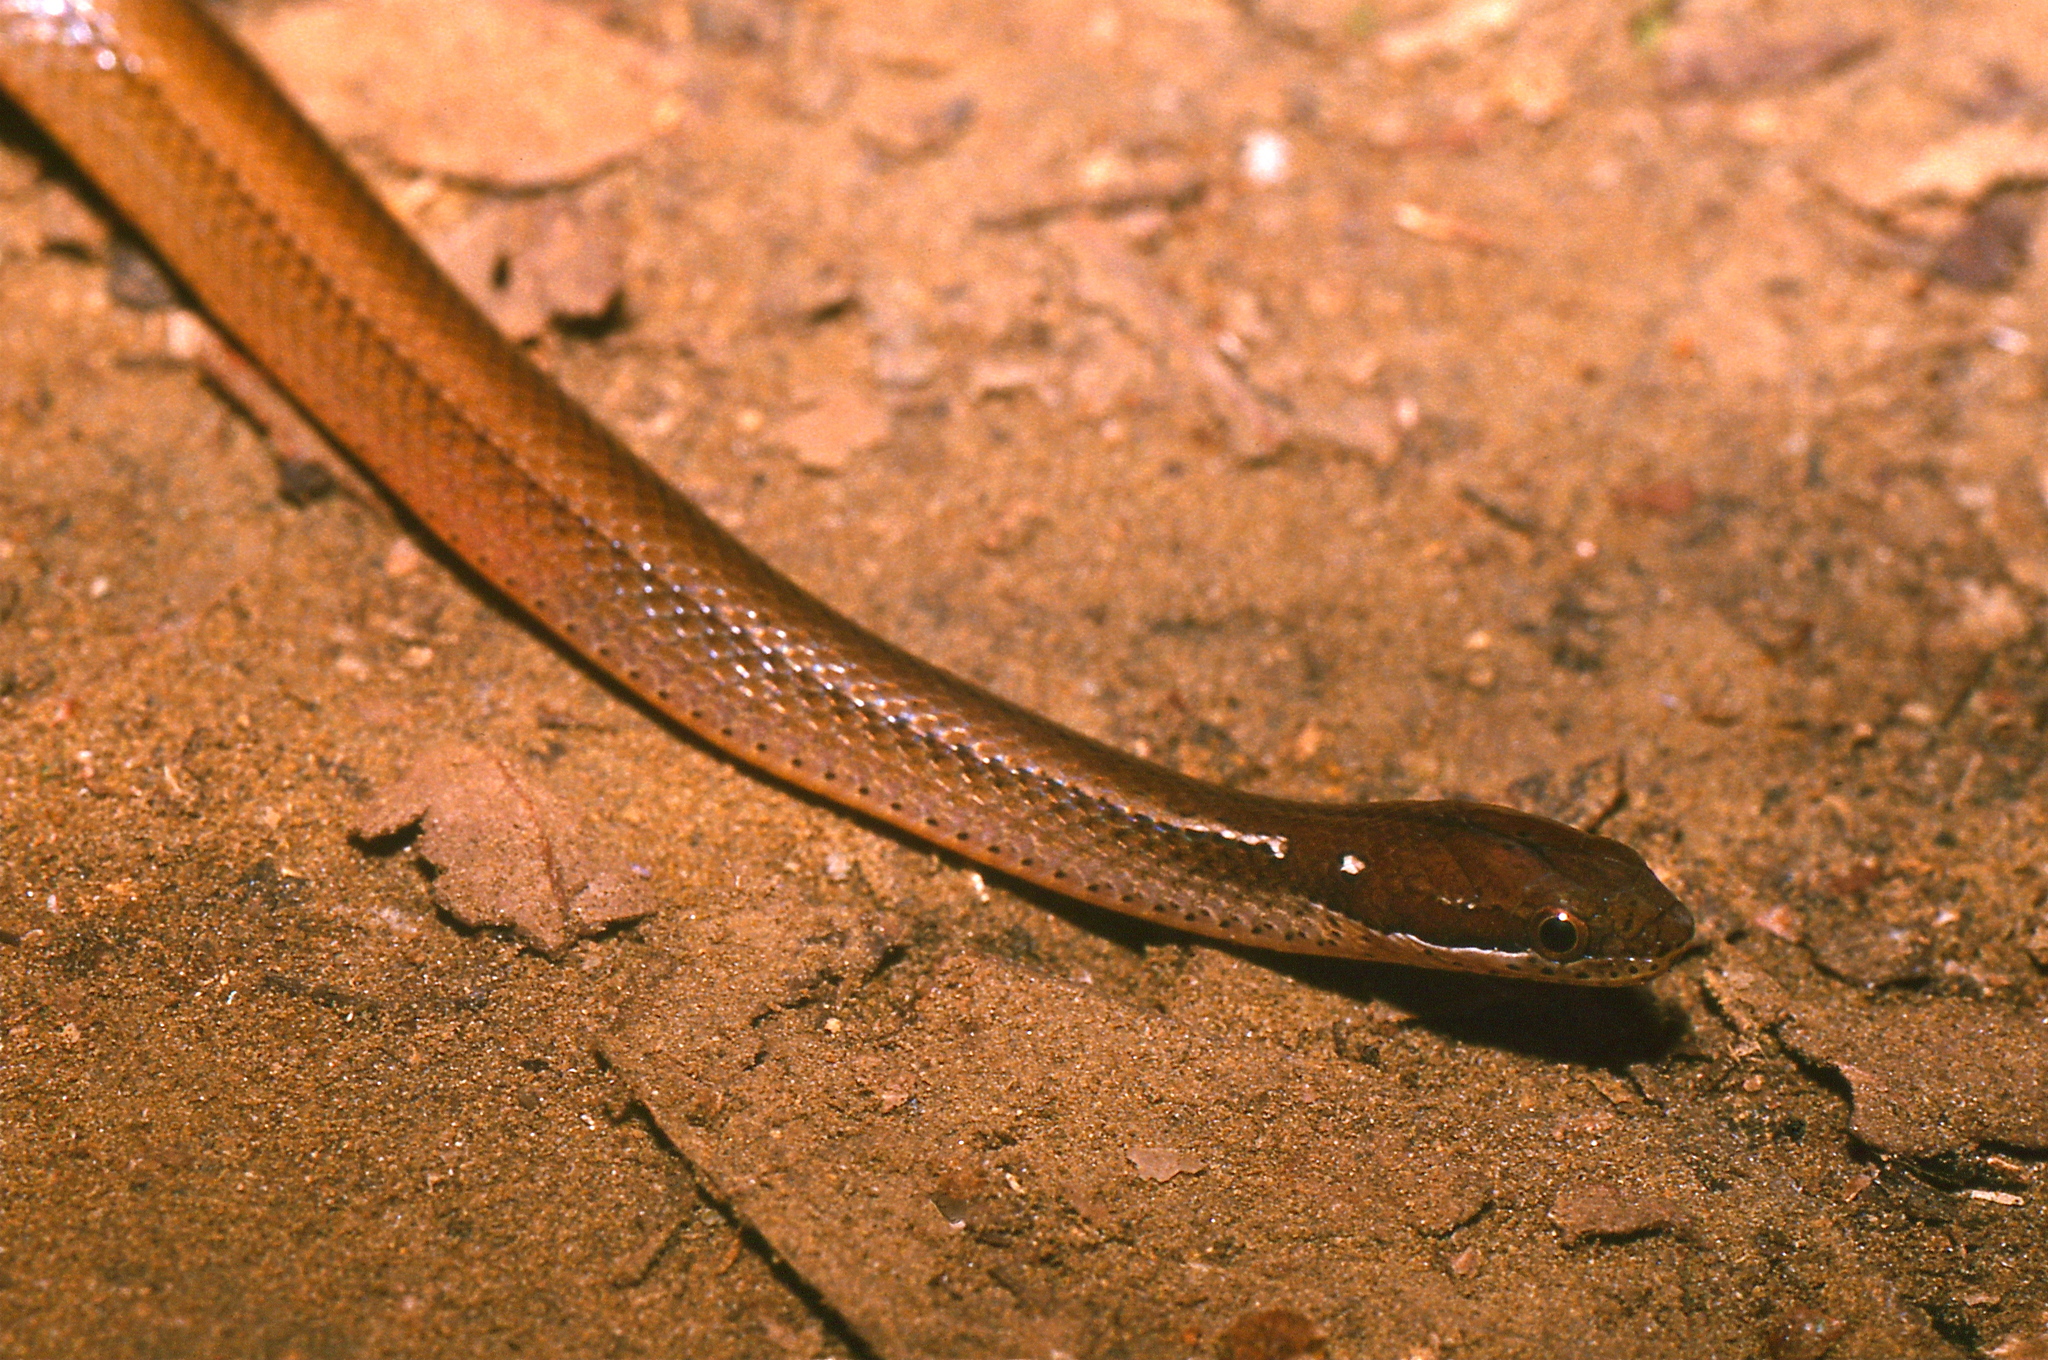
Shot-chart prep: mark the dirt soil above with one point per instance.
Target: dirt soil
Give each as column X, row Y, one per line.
column 1632, row 415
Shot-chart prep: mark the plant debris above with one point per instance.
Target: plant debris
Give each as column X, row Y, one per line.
column 505, row 851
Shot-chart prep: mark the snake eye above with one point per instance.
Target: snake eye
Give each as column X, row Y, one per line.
column 1560, row 936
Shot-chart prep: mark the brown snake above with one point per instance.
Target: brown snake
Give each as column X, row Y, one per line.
column 288, row 251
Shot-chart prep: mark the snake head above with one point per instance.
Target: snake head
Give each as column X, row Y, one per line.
column 1487, row 889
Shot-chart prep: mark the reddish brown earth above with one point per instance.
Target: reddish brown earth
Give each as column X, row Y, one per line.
column 1623, row 414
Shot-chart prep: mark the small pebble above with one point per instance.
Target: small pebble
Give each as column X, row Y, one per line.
column 1266, row 158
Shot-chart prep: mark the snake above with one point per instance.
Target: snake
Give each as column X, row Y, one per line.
column 288, row 251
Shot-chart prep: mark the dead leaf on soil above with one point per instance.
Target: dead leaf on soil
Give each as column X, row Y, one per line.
column 1108, row 183
column 1599, row 1209
column 1452, row 33
column 901, row 127
column 1967, row 166
column 1108, row 276
column 1748, row 1001
column 513, row 93
column 1443, row 228
column 529, row 262
column 844, row 422
column 1163, row 1164
column 508, row 852
column 1740, row 60
column 1444, row 1198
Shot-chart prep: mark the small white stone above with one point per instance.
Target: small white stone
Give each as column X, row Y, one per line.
column 1266, row 157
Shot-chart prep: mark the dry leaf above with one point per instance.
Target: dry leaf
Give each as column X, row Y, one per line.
column 527, row 262
column 825, row 438
column 508, row 852
column 1110, row 277
column 1968, row 165
column 1599, row 1209
column 1163, row 1164
column 515, row 93
column 1737, row 60
column 1454, row 32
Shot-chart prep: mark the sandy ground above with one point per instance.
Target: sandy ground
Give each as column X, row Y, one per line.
column 1631, row 415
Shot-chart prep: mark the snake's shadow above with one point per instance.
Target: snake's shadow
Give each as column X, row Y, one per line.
column 1594, row 1027
column 1603, row 1027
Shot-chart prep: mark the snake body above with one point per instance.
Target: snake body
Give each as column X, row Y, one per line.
column 281, row 243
